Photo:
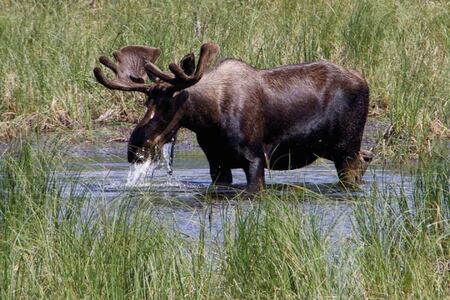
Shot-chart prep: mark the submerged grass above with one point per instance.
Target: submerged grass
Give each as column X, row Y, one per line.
column 56, row 242
column 48, row 50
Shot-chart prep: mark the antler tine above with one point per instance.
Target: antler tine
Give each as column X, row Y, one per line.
column 109, row 63
column 187, row 63
column 119, row 85
column 179, row 79
column 179, row 73
column 208, row 53
column 153, row 69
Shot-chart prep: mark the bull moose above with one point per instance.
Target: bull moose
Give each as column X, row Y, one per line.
column 281, row 118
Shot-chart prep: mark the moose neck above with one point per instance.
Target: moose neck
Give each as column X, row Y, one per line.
column 201, row 110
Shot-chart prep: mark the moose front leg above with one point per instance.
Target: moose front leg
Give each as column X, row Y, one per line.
column 220, row 175
column 255, row 174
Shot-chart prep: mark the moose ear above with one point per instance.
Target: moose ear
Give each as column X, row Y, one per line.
column 187, row 63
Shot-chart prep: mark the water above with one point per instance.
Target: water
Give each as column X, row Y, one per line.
column 182, row 196
column 168, row 153
column 138, row 172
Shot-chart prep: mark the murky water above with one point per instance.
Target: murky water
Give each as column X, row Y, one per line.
column 180, row 201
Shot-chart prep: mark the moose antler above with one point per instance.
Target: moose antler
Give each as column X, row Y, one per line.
column 129, row 68
column 135, row 64
column 183, row 77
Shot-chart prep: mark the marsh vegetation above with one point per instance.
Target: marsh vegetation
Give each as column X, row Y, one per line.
column 58, row 239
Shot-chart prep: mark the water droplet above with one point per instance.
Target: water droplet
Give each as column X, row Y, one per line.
column 138, row 172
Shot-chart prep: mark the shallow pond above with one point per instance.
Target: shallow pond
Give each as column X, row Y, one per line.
column 184, row 199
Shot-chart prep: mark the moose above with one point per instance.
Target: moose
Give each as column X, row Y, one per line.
column 282, row 118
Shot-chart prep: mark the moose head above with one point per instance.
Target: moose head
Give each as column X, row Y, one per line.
column 165, row 94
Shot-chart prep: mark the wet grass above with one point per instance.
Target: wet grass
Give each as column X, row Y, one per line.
column 48, row 50
column 58, row 242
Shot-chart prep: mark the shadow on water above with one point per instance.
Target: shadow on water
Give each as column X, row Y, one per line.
column 185, row 200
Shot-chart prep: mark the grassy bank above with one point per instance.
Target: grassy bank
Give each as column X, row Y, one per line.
column 57, row 243
column 48, row 50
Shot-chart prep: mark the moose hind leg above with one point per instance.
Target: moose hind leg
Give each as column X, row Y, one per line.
column 351, row 169
column 254, row 173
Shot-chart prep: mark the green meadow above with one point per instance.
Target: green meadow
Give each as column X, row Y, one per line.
column 58, row 241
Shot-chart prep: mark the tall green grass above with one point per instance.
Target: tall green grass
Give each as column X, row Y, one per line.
column 405, row 242
column 48, row 50
column 58, row 242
